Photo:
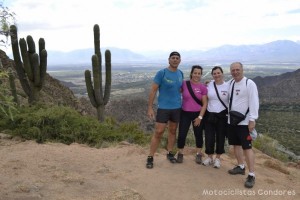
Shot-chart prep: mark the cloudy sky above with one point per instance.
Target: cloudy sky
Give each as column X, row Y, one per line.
column 150, row 25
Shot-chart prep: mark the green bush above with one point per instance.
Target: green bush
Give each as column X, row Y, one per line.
column 269, row 146
column 64, row 124
column 8, row 107
column 282, row 126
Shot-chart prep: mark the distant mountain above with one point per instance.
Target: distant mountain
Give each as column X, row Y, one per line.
column 281, row 51
column 84, row 56
column 281, row 89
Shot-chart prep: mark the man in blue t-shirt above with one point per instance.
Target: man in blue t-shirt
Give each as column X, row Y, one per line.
column 167, row 82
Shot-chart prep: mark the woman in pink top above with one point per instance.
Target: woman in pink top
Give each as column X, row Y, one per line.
column 192, row 112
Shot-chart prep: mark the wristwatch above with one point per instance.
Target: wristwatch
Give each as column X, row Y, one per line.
column 200, row 117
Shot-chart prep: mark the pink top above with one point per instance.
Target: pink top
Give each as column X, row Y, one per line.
column 188, row 103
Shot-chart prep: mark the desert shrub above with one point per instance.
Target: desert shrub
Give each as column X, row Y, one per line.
column 64, row 124
column 8, row 107
column 282, row 126
column 269, row 146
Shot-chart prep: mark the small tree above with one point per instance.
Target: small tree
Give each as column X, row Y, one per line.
column 7, row 18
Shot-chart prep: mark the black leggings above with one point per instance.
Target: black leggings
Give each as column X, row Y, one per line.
column 215, row 134
column 186, row 118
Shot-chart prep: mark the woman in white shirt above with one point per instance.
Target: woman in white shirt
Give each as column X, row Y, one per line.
column 216, row 120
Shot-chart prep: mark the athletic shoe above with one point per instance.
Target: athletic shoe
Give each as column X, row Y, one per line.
column 237, row 170
column 171, row 157
column 207, row 161
column 198, row 159
column 217, row 163
column 250, row 181
column 149, row 163
column 179, row 158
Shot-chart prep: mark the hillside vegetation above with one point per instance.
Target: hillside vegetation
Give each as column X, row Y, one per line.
column 63, row 117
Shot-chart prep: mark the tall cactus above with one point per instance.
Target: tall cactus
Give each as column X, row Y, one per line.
column 97, row 98
column 32, row 71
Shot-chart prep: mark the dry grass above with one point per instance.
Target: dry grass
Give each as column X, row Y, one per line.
column 275, row 164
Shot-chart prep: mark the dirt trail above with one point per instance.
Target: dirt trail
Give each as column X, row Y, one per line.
column 55, row 171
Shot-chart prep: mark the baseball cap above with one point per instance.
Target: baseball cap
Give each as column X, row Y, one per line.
column 174, row 53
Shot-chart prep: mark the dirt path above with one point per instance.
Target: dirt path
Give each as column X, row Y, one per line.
column 56, row 171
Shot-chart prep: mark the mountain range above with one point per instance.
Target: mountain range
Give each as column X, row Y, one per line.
column 280, row 51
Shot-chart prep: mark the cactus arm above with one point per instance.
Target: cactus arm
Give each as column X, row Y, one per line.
column 43, row 66
column 98, row 53
column 41, row 45
column 36, row 69
column 97, row 43
column 31, row 51
column 97, row 48
column 17, row 58
column 108, row 76
column 25, row 57
column 89, row 87
column 31, row 44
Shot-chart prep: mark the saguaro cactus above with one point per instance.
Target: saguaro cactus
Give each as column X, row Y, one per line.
column 97, row 97
column 32, row 71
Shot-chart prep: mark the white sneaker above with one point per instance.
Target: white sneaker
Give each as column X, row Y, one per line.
column 207, row 161
column 217, row 163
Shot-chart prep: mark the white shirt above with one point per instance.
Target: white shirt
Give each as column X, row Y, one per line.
column 244, row 97
column 214, row 104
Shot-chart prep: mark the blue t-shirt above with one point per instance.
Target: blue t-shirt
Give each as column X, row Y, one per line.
column 169, row 82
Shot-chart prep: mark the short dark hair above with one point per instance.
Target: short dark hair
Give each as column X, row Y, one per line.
column 195, row 67
column 215, row 68
column 174, row 53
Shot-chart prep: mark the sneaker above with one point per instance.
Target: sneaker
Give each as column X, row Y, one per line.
column 149, row 163
column 207, row 161
column 171, row 157
column 198, row 159
column 250, row 181
column 237, row 170
column 217, row 163
column 179, row 158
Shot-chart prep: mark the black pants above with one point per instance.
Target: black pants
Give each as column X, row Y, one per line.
column 186, row 118
column 215, row 134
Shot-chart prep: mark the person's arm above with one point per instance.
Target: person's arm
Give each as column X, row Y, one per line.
column 198, row 120
column 204, row 105
column 152, row 95
column 253, row 105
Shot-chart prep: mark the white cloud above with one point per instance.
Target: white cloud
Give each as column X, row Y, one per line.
column 157, row 24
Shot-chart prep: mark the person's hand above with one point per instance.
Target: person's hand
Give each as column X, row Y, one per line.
column 207, row 82
column 150, row 114
column 197, row 121
column 251, row 126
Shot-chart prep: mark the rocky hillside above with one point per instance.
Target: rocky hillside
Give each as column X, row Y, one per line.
column 53, row 91
column 281, row 89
